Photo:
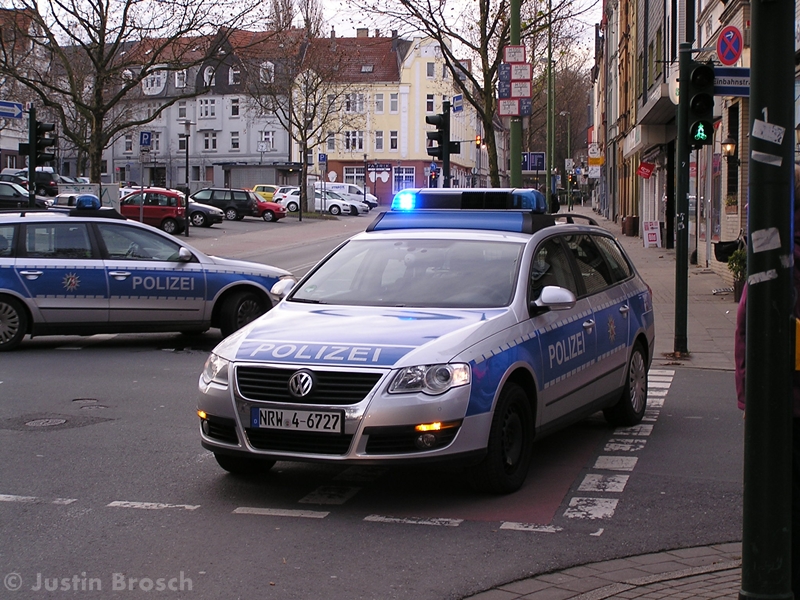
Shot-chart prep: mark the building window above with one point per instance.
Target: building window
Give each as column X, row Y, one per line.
column 431, row 69
column 234, row 107
column 155, row 141
column 269, row 138
column 234, row 75
column 394, row 103
column 210, row 140
column 659, row 53
column 378, row 141
column 182, row 109
column 393, row 140
column 104, row 167
column 403, row 178
column 235, row 141
column 182, row 141
column 180, row 79
column 267, row 72
column 354, row 103
column 209, row 76
column 429, row 103
column 379, row 104
column 154, row 81
column 445, row 71
column 733, row 131
column 354, row 140
column 354, row 175
column 128, row 142
column 331, row 141
column 208, row 108
column 331, row 103
column 310, row 156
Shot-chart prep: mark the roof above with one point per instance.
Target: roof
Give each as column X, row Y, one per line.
column 357, row 59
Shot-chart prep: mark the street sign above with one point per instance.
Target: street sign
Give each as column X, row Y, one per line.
column 526, row 162
column 569, row 163
column 729, row 45
column 537, row 161
column 10, row 110
column 521, row 72
column 504, row 72
column 732, row 81
column 322, row 158
column 144, row 139
column 504, row 89
column 433, row 166
column 458, row 103
column 508, row 107
column 262, row 147
column 514, row 54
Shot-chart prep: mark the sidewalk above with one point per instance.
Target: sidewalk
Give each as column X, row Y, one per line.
column 701, row 572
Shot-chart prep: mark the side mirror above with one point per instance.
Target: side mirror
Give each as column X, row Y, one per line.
column 282, row 288
column 553, row 297
column 184, row 255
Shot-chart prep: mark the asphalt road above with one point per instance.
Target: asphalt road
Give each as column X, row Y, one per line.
column 105, row 491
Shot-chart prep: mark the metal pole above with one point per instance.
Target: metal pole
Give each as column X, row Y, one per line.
column 31, row 157
column 680, row 341
column 767, row 520
column 188, row 220
column 548, row 176
column 516, row 122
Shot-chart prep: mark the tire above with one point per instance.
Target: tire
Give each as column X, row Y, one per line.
column 169, row 225
column 40, row 191
column 630, row 408
column 353, row 211
column 13, row 323
column 199, row 219
column 292, row 207
column 231, row 214
column 335, row 210
column 239, row 465
column 240, row 218
column 268, row 215
column 504, row 468
column 239, row 309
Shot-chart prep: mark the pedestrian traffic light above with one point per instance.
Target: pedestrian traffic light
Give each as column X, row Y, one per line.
column 701, row 104
column 41, row 144
column 441, row 136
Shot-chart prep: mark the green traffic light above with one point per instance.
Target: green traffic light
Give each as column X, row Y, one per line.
column 700, row 133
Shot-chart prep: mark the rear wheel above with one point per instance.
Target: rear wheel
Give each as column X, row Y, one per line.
column 292, row 207
column 239, row 309
column 231, row 214
column 630, row 408
column 268, row 215
column 334, row 210
column 238, row 465
column 13, row 323
column 169, row 225
column 198, row 219
column 505, row 466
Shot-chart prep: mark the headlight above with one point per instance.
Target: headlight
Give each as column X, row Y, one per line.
column 216, row 370
column 430, row 379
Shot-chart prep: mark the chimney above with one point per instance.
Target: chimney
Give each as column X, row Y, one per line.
column 333, row 33
column 362, row 32
column 377, row 33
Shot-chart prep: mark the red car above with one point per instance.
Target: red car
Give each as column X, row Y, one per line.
column 269, row 211
column 162, row 208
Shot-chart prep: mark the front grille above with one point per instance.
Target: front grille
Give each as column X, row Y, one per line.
column 400, row 440
column 221, row 429
column 339, row 388
column 299, row 441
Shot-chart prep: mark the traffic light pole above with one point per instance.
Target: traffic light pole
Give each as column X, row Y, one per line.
column 446, row 145
column 680, row 342
column 31, row 157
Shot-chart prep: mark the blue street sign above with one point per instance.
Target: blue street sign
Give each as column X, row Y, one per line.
column 525, row 107
column 732, row 81
column 10, row 110
column 323, row 158
column 537, row 161
column 144, row 138
column 504, row 72
column 433, row 166
column 504, row 89
column 526, row 163
column 458, row 103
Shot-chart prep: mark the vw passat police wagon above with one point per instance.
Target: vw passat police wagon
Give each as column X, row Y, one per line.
column 436, row 335
column 88, row 271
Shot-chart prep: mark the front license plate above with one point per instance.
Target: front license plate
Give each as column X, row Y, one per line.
column 319, row 421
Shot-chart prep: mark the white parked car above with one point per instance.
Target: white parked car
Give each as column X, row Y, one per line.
column 331, row 202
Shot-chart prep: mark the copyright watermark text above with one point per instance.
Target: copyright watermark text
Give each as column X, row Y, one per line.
column 115, row 582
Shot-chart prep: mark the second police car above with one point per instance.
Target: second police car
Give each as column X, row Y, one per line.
column 437, row 335
column 86, row 271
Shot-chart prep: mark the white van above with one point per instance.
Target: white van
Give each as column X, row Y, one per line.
column 349, row 191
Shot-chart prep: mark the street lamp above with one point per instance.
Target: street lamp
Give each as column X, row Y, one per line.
column 729, row 151
column 187, row 124
column 365, row 179
column 569, row 157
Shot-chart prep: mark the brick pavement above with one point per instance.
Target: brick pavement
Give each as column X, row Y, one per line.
column 701, row 572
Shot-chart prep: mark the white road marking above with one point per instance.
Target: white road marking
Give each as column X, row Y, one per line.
column 655, row 402
column 415, row 520
column 150, row 505
column 642, row 430
column 280, row 512
column 530, row 527
column 603, row 483
column 624, row 445
column 591, row 508
column 661, row 393
column 330, row 494
column 597, row 533
column 661, row 372
column 616, row 463
column 64, row 501
column 659, row 379
column 658, row 385
column 12, row 498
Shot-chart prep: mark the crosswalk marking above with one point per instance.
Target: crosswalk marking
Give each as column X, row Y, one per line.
column 330, row 494
column 280, row 512
column 603, row 483
column 530, row 527
column 415, row 520
column 591, row 508
column 150, row 505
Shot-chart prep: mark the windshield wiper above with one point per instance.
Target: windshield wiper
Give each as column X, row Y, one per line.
column 308, row 301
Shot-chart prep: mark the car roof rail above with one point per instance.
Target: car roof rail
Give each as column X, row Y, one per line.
column 571, row 219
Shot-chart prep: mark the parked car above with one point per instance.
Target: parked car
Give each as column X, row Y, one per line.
column 269, row 211
column 349, row 191
column 235, row 203
column 158, row 207
column 204, row 215
column 282, row 192
column 16, row 196
column 46, row 183
column 92, row 271
column 332, row 203
column 21, row 179
column 265, row 190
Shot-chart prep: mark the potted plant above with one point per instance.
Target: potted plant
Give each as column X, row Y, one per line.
column 731, row 204
column 737, row 265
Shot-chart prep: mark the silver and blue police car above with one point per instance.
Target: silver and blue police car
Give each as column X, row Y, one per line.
column 458, row 335
column 86, row 270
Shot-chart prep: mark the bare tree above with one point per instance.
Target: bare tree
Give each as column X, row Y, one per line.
column 479, row 32
column 84, row 61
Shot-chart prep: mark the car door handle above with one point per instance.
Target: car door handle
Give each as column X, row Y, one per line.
column 624, row 309
column 31, row 274
column 120, row 275
column 588, row 325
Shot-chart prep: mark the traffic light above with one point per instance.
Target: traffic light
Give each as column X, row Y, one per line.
column 44, row 151
column 441, row 136
column 701, row 104
column 433, row 179
column 477, row 141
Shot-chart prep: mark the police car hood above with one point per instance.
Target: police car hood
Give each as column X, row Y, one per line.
column 362, row 336
column 243, row 265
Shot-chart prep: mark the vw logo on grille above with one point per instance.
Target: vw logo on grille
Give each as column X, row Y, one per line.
column 301, row 384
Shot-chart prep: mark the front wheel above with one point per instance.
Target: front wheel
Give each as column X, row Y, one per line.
column 247, row 467
column 239, row 309
column 504, row 468
column 268, row 215
column 231, row 214
column 630, row 408
column 13, row 323
column 335, row 210
column 198, row 219
column 169, row 225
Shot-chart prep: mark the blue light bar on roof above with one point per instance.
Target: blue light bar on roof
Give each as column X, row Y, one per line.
column 495, row 220
column 471, row 198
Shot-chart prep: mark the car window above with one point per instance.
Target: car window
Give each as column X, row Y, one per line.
column 422, row 273
column 160, row 200
column 202, row 195
column 57, row 240
column 222, row 195
column 594, row 270
column 620, row 269
column 133, row 243
column 240, row 196
column 551, row 266
column 6, row 240
column 7, row 189
column 132, row 200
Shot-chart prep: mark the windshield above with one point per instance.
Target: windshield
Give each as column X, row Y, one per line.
column 417, row 273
